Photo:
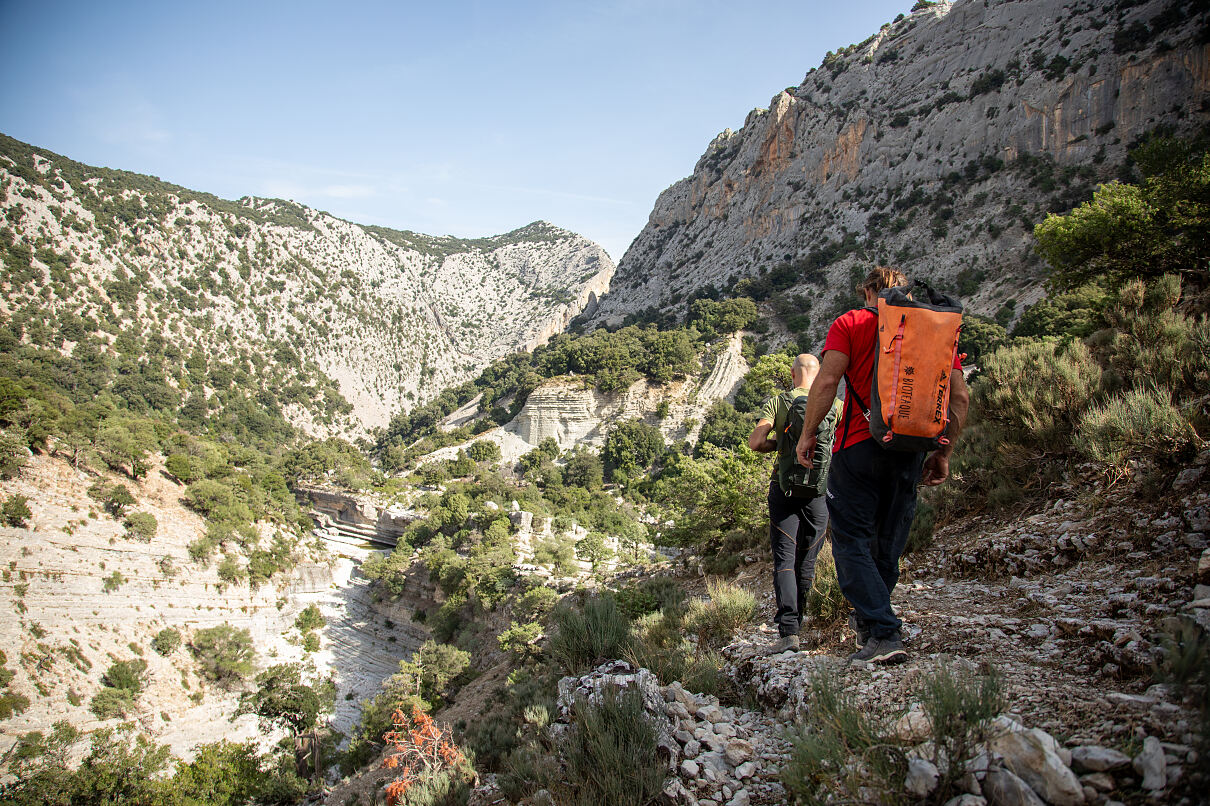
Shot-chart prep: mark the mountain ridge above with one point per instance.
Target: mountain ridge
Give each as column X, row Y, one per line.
column 272, row 276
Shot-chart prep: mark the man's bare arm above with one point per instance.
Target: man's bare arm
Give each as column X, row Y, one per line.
column 937, row 465
column 759, row 440
column 823, row 392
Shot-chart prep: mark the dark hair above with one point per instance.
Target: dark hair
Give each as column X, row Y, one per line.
column 881, row 277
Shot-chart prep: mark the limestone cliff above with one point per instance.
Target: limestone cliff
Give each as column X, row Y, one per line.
column 82, row 594
column 936, row 144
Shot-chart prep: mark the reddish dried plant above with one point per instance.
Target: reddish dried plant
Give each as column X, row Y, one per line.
column 420, row 750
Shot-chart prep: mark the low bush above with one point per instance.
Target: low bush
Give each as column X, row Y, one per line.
column 15, row 512
column 1140, row 422
column 111, row 703
column 141, row 526
column 166, row 641
column 583, row 637
column 224, row 654
column 715, row 620
column 611, row 754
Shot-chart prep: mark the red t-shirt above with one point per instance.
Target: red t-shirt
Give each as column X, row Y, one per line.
column 856, row 335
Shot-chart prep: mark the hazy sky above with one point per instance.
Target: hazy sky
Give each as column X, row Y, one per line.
column 460, row 118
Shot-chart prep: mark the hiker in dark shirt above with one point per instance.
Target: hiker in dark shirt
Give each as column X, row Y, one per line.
column 871, row 495
column 796, row 525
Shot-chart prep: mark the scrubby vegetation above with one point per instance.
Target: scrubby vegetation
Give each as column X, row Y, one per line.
column 1112, row 369
column 843, row 751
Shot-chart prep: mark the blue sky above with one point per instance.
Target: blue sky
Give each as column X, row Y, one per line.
column 460, row 118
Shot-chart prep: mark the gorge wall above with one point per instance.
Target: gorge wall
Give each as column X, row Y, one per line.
column 936, row 145
column 69, row 617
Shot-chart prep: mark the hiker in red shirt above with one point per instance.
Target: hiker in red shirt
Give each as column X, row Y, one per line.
column 871, row 493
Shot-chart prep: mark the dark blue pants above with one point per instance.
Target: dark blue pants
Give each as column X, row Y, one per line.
column 796, row 532
column 871, row 500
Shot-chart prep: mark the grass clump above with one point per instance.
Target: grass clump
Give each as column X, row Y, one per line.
column 842, row 753
column 715, row 620
column 959, row 704
column 585, row 637
column 825, row 603
column 839, row 754
column 611, row 755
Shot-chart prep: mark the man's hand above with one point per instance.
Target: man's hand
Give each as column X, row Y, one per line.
column 805, row 450
column 936, row 469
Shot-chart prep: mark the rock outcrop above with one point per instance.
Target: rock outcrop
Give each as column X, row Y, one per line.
column 935, row 144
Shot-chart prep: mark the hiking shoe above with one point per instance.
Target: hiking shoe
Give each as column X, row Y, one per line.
column 881, row 650
column 862, row 633
column 787, row 643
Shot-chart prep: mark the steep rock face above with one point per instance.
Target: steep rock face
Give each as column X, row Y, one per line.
column 82, row 594
column 935, row 144
column 391, row 317
column 572, row 414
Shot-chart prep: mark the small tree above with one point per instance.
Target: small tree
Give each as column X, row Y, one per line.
column 283, row 700
column 141, row 526
column 224, row 654
column 166, row 641
column 593, row 549
column 15, row 512
column 117, row 499
column 423, row 756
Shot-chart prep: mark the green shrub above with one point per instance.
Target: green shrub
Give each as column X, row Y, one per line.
column 1036, row 392
column 535, row 603
column 611, row 754
column 166, row 641
column 630, row 448
column 958, row 704
column 1142, row 421
column 12, row 703
column 282, row 699
column 483, row 451
column 309, row 619
column 15, row 512
column 13, row 453
column 141, row 526
column 716, row 619
column 112, row 582
column 839, row 754
column 521, row 640
column 117, row 499
column 1126, row 231
column 717, row 500
column 651, row 595
column 109, row 703
column 584, row 637
column 231, row 570
column 126, row 674
column 224, row 654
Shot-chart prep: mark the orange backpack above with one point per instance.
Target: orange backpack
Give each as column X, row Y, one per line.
column 917, row 343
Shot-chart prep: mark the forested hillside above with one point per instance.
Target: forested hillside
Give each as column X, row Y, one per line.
column 337, row 326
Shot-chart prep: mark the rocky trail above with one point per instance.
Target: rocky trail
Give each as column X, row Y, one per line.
column 1068, row 604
